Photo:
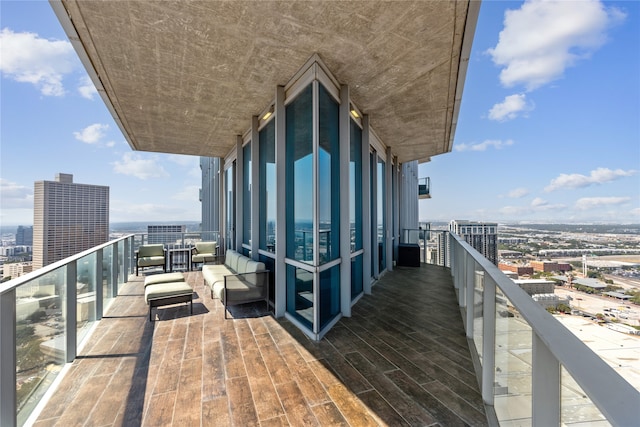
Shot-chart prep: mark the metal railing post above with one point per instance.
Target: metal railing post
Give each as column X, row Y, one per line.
column 99, row 285
column 125, row 261
column 8, row 399
column 488, row 340
column 71, row 311
column 545, row 385
column 470, row 294
column 114, row 268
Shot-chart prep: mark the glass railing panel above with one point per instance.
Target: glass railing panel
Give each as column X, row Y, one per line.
column 86, row 294
column 512, row 386
column 478, row 298
column 576, row 409
column 108, row 291
column 40, row 338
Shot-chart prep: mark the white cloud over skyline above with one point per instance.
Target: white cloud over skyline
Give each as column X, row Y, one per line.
column 512, row 107
column 596, row 177
column 484, row 145
column 587, row 203
column 86, row 88
column 26, row 57
column 544, row 38
column 92, row 134
column 15, row 196
column 518, row 193
column 135, row 165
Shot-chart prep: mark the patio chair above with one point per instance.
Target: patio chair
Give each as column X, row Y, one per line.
column 204, row 252
column 151, row 256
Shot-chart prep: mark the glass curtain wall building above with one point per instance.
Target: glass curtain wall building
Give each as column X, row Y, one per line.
column 310, row 181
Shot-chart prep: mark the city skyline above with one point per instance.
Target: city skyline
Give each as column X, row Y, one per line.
column 528, row 146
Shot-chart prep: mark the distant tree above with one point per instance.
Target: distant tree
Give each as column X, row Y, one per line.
column 563, row 308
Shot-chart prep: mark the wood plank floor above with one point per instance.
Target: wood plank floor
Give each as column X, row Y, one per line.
column 401, row 359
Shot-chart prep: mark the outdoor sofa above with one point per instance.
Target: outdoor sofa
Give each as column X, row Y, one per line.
column 239, row 280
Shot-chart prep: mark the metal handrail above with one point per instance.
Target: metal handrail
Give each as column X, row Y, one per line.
column 613, row 395
column 14, row 283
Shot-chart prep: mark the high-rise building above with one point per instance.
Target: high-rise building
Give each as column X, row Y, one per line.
column 24, row 236
column 210, row 195
column 482, row 236
column 67, row 218
column 165, row 234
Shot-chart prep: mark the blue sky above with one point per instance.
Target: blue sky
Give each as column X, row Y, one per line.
column 549, row 128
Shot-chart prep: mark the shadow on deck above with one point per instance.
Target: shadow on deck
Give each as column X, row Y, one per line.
column 401, row 359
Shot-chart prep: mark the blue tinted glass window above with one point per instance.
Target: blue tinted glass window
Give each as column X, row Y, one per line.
column 329, row 294
column 328, row 177
column 300, row 295
column 246, row 194
column 267, row 171
column 299, row 176
column 355, row 186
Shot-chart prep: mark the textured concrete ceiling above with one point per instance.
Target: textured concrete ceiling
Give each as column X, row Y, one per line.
column 186, row 77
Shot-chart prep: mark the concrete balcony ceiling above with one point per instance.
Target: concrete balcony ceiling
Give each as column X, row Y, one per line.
column 186, row 77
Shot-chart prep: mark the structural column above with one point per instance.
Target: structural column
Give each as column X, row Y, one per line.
column 238, row 190
column 255, row 185
column 280, row 287
column 388, row 209
column 367, row 214
column 345, row 226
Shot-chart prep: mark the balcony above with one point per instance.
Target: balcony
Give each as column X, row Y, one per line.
column 424, row 188
column 406, row 356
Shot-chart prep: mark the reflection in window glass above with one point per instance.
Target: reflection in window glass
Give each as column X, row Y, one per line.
column 246, row 194
column 356, row 276
column 329, row 295
column 300, row 295
column 381, row 202
column 328, row 173
column 230, row 204
column 267, row 170
column 299, row 177
column 355, row 187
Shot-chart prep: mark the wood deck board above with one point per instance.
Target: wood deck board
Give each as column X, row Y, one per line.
column 399, row 360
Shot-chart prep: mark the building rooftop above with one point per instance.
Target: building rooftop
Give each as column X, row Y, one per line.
column 402, row 359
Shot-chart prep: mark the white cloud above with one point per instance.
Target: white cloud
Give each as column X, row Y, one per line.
column 597, row 176
column 517, row 193
column 134, row 165
column 92, row 134
column 26, row 57
column 188, row 193
column 538, row 202
column 537, row 205
column 510, row 108
column 543, row 38
column 86, row 88
column 15, row 196
column 482, row 146
column 184, row 160
column 587, row 203
column 124, row 210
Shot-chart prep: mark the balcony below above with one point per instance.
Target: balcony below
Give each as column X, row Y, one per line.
column 401, row 359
